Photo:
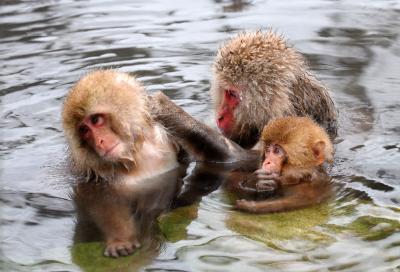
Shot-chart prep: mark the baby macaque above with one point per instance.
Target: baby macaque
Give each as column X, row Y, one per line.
column 293, row 154
column 258, row 77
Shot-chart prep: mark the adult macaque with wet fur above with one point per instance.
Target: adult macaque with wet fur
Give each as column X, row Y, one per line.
column 116, row 145
column 293, row 154
column 258, row 77
column 112, row 138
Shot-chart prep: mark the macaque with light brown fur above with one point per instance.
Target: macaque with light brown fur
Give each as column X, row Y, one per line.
column 112, row 138
column 117, row 143
column 258, row 77
column 293, row 154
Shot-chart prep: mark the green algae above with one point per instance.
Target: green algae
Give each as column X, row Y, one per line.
column 299, row 224
column 173, row 224
column 89, row 257
column 372, row 228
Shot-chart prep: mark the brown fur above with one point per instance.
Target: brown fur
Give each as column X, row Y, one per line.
column 303, row 180
column 200, row 141
column 154, row 129
column 274, row 80
column 297, row 136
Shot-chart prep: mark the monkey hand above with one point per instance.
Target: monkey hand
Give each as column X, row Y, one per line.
column 117, row 248
column 266, row 180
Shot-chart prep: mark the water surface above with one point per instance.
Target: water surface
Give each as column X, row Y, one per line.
column 353, row 47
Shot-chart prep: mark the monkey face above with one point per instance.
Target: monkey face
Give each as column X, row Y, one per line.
column 96, row 132
column 231, row 97
column 274, row 158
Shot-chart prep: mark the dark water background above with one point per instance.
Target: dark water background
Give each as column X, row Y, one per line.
column 353, row 46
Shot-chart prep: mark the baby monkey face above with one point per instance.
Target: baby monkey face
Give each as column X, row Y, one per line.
column 274, row 158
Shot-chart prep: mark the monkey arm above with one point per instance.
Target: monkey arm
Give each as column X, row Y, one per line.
column 303, row 195
column 291, row 197
column 295, row 192
column 251, row 186
column 295, row 175
column 199, row 140
column 205, row 178
column 262, row 184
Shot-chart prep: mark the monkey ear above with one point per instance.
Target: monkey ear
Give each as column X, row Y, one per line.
column 319, row 152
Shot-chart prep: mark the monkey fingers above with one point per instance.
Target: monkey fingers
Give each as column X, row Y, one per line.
column 116, row 249
column 266, row 185
column 267, row 179
column 262, row 174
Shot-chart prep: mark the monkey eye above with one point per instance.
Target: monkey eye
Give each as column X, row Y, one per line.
column 232, row 94
column 97, row 119
column 278, row 150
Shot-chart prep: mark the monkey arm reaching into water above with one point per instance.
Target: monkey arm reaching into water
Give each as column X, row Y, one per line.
column 216, row 155
column 291, row 170
column 201, row 141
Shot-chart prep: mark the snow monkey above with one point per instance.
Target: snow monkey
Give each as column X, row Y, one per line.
column 294, row 151
column 116, row 144
column 258, row 77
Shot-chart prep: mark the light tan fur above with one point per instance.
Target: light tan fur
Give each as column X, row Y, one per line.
column 274, row 80
column 302, row 181
column 144, row 150
column 121, row 97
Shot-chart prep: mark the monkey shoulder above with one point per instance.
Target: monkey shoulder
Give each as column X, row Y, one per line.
column 159, row 154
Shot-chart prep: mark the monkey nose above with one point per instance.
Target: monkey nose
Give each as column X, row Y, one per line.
column 100, row 144
column 266, row 165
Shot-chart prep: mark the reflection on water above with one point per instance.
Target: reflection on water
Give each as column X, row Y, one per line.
column 114, row 212
column 141, row 203
column 353, row 47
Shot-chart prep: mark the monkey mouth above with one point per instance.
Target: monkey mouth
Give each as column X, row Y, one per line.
column 223, row 126
column 109, row 151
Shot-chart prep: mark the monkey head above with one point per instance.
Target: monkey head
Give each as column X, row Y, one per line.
column 104, row 116
column 294, row 141
column 253, row 75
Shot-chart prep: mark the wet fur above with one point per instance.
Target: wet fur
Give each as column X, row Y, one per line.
column 303, row 180
column 111, row 185
column 274, row 80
